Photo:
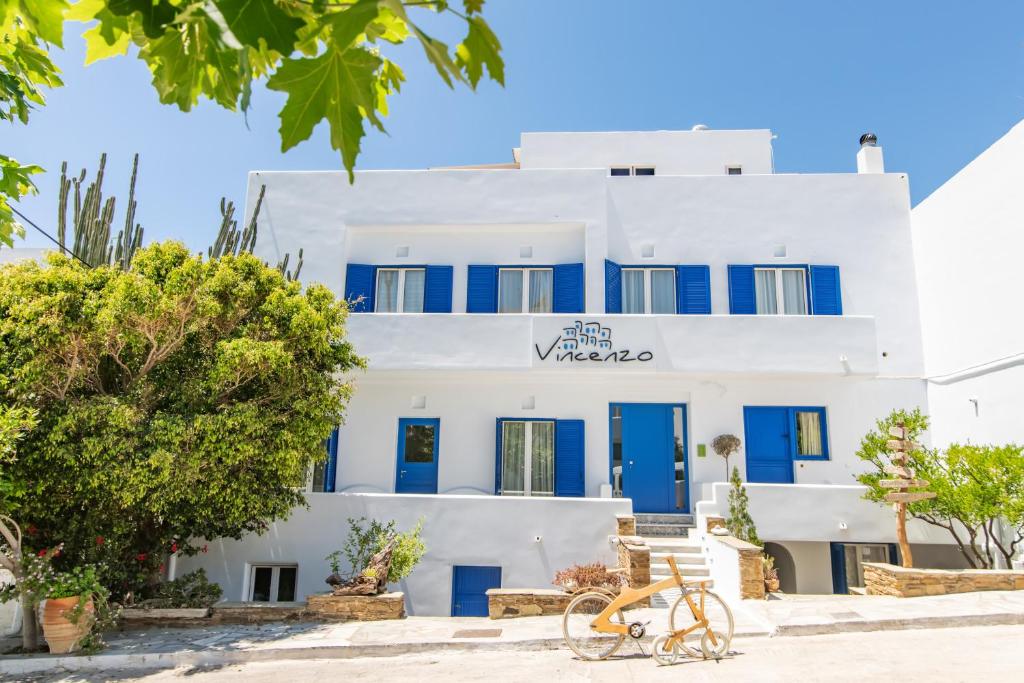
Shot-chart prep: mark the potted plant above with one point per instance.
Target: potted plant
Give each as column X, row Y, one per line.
column 69, row 612
column 588, row 576
column 725, row 445
column 771, row 574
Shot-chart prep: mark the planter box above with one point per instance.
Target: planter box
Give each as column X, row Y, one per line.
column 136, row 617
column 508, row 603
column 356, row 607
column 888, row 579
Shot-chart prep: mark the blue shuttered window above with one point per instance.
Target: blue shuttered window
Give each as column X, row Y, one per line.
column 437, row 294
column 826, row 294
column 331, row 469
column 359, row 287
column 568, row 288
column 482, row 289
column 570, row 456
column 693, row 290
column 612, row 287
column 741, row 290
column 838, row 553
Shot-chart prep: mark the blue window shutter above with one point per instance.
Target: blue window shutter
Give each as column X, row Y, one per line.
column 570, row 457
column 568, row 286
column 497, row 457
column 839, row 585
column 693, row 290
column 360, row 283
column 826, row 295
column 331, row 469
column 612, row 287
column 741, row 290
column 894, row 554
column 437, row 289
column 482, row 289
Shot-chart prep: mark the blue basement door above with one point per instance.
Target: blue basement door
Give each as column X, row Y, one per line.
column 469, row 589
column 417, row 455
column 769, row 456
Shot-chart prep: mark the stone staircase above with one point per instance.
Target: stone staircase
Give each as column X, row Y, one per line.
column 671, row 536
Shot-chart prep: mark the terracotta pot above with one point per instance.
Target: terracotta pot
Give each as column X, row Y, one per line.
column 771, row 585
column 61, row 635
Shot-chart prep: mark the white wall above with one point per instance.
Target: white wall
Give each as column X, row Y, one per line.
column 706, row 152
column 468, row 404
column 813, row 566
column 458, row 530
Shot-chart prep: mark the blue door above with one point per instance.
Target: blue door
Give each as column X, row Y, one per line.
column 649, row 456
column 769, row 453
column 417, row 455
column 469, row 589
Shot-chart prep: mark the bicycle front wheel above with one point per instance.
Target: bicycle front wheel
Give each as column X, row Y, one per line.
column 717, row 613
column 580, row 636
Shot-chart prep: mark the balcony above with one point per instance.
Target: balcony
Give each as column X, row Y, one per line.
column 699, row 344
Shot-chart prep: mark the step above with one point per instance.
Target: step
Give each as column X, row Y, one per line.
column 660, row 529
column 658, row 577
column 662, row 569
column 685, row 520
column 674, row 545
column 681, row 558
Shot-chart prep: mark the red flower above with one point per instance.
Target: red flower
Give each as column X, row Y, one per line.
column 204, row 548
column 141, row 557
column 161, row 567
column 42, row 552
column 31, row 529
column 100, row 540
column 174, row 547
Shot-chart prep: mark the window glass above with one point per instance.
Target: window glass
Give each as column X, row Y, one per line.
column 419, row 443
column 663, row 291
column 513, row 461
column 808, row 433
column 643, row 170
column 617, row 472
column 619, row 170
column 319, row 473
column 794, row 293
column 286, row 584
column 679, row 448
column 735, row 170
column 261, row 578
column 764, row 288
column 387, row 291
column 541, row 289
column 632, row 291
column 542, row 459
column 510, row 291
column 412, row 297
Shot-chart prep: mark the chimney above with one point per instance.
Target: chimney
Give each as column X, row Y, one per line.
column 869, row 158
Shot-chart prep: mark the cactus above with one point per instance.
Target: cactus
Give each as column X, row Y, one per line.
column 93, row 217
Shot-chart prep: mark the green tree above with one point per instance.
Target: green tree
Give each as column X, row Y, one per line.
column 740, row 523
column 184, row 398
column 979, row 489
column 325, row 55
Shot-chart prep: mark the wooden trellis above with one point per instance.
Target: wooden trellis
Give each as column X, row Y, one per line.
column 902, row 495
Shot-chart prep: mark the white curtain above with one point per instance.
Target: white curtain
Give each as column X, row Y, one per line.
column 663, row 291
column 632, row 291
column 541, row 290
column 387, row 291
column 794, row 294
column 764, row 286
column 510, row 291
column 412, row 301
column 542, row 459
column 808, row 430
column 513, row 465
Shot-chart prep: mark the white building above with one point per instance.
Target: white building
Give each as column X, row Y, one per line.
column 558, row 340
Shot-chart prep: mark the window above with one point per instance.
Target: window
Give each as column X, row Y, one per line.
column 525, row 290
column 318, row 475
column 631, row 170
column 528, row 458
column 810, row 433
column 648, row 290
column 272, row 583
column 400, row 290
column 780, row 290
column 734, row 170
column 856, row 554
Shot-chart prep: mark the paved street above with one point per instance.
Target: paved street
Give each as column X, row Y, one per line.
column 991, row 653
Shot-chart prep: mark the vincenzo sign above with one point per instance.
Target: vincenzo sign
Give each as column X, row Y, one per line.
column 588, row 343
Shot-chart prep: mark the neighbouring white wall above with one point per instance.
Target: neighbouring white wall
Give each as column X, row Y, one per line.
column 469, row 403
column 813, row 564
column 706, row 152
column 985, row 409
column 457, row 530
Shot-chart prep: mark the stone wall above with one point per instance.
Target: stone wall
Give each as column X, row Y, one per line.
column 635, row 558
column 888, row 579
column 504, row 603
column 751, row 564
column 356, row 607
column 625, row 525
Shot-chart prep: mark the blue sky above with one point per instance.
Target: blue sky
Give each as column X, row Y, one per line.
column 937, row 80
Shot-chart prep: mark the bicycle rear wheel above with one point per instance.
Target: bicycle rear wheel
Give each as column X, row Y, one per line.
column 719, row 618
column 580, row 636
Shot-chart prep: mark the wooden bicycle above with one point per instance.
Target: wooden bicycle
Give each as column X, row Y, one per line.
column 595, row 625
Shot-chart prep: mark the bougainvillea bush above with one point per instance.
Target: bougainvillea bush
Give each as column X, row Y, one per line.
column 595, row 575
column 183, row 399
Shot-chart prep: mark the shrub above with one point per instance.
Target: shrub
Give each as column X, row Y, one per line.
column 595, row 575
column 193, row 590
column 740, row 523
column 366, row 538
column 725, row 445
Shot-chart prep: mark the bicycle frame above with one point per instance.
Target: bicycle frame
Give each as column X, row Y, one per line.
column 603, row 624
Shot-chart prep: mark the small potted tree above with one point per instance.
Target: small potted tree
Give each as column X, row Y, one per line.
column 725, row 445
